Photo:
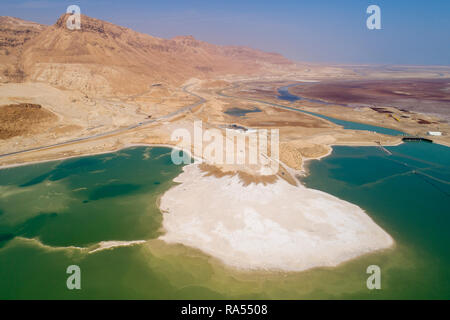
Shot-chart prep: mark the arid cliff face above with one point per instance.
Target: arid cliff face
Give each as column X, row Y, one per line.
column 14, row 34
column 105, row 58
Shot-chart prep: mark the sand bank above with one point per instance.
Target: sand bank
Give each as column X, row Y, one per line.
column 102, row 245
column 271, row 227
column 105, row 245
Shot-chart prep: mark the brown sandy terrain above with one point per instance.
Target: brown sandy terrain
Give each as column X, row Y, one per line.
column 247, row 179
column 23, row 119
column 301, row 136
column 78, row 115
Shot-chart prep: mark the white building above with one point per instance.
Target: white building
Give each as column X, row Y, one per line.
column 434, row 133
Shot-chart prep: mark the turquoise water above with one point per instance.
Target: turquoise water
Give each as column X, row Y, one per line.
column 79, row 202
column 47, row 208
column 408, row 194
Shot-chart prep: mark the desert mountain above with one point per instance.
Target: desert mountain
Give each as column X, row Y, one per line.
column 14, row 33
column 105, row 58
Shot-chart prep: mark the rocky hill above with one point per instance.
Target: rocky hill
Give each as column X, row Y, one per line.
column 14, row 34
column 105, row 58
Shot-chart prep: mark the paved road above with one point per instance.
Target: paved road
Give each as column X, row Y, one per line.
column 113, row 132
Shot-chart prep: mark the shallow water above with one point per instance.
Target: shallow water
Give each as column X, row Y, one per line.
column 79, row 202
column 238, row 112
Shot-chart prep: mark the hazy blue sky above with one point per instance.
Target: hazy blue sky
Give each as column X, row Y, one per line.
column 413, row 32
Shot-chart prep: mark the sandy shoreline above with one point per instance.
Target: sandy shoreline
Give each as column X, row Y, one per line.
column 106, row 245
column 127, row 146
column 100, row 246
column 273, row 227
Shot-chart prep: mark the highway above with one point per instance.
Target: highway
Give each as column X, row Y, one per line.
column 116, row 131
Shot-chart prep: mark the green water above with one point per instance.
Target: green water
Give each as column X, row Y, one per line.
column 408, row 194
column 80, row 202
column 239, row 112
